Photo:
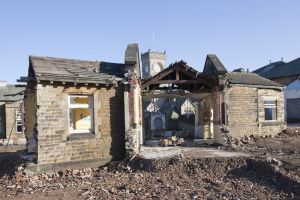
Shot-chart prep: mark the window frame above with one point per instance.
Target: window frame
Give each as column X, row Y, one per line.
column 1, row 121
column 89, row 106
column 270, row 105
column 20, row 120
column 20, row 124
column 187, row 108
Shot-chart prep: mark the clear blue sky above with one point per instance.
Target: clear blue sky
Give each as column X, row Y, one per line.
column 241, row 33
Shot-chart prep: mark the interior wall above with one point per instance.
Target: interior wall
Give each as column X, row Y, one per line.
column 30, row 108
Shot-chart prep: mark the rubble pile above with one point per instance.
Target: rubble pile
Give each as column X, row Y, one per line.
column 241, row 143
column 289, row 132
column 272, row 172
column 173, row 178
column 171, row 141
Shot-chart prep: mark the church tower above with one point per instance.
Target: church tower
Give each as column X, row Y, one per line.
column 152, row 63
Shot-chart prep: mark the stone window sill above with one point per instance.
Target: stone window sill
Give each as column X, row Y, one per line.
column 271, row 123
column 81, row 136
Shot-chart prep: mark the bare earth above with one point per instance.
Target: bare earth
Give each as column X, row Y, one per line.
column 262, row 169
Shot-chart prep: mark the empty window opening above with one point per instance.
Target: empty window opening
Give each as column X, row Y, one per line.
column 270, row 107
column 19, row 122
column 81, row 114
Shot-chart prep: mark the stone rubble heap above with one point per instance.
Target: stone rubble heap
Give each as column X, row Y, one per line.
column 272, row 173
column 239, row 143
column 173, row 178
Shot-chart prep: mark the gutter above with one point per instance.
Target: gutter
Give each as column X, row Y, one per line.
column 259, row 86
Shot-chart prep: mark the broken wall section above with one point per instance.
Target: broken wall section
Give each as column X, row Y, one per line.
column 133, row 101
column 30, row 108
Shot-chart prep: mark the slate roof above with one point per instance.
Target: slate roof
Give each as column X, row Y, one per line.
column 213, row 66
column 75, row 71
column 217, row 63
column 115, row 69
column 11, row 93
column 248, row 78
column 263, row 71
column 280, row 69
column 131, row 53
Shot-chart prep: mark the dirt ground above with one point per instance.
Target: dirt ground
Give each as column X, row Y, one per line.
column 284, row 147
column 272, row 171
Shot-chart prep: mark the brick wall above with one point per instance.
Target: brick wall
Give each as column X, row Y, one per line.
column 245, row 111
column 133, row 100
column 54, row 146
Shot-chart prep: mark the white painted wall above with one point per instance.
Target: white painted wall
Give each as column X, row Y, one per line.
column 292, row 90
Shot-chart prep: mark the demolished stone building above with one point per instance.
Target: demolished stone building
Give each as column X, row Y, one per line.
column 89, row 112
column 241, row 102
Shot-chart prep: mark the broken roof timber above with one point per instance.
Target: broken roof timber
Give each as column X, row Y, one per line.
column 192, row 76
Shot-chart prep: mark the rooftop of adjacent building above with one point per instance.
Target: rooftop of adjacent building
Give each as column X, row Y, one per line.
column 280, row 69
column 11, row 93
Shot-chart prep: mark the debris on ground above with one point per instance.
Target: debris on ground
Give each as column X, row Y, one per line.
column 289, row 132
column 239, row 178
column 171, row 141
column 273, row 172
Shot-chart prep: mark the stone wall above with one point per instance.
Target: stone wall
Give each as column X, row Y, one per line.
column 10, row 122
column 245, row 111
column 216, row 99
column 204, row 118
column 278, row 125
column 30, row 108
column 56, row 145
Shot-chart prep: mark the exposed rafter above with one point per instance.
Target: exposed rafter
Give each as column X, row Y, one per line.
column 181, row 76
